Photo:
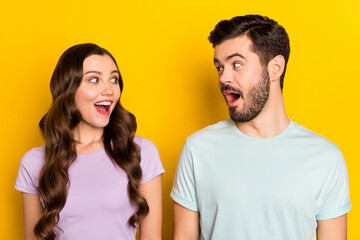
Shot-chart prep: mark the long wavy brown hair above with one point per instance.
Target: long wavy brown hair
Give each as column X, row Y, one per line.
column 60, row 147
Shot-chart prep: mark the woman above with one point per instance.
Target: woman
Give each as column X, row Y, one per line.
column 93, row 179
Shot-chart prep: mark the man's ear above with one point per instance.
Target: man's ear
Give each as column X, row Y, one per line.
column 276, row 67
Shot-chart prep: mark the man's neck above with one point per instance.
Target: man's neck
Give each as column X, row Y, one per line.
column 271, row 121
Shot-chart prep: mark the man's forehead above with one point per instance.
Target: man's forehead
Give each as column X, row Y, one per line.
column 240, row 45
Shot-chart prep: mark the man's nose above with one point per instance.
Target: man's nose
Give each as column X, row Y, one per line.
column 226, row 76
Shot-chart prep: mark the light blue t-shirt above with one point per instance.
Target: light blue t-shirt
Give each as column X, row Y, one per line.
column 248, row 188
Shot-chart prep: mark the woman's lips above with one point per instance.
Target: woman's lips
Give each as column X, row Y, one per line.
column 103, row 107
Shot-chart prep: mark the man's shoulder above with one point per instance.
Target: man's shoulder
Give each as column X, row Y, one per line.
column 214, row 130
column 312, row 138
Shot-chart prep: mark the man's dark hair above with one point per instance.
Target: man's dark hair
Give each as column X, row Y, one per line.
column 269, row 39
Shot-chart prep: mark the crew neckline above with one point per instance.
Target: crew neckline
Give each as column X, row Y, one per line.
column 92, row 153
column 282, row 134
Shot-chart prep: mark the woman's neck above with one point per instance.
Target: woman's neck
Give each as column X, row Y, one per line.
column 88, row 139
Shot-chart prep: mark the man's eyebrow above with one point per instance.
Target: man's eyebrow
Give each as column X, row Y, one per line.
column 216, row 60
column 235, row 55
column 230, row 57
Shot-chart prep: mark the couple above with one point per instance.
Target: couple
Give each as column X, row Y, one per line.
column 256, row 176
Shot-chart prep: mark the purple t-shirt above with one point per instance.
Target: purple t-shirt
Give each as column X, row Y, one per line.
column 97, row 205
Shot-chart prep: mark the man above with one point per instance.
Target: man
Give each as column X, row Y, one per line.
column 259, row 175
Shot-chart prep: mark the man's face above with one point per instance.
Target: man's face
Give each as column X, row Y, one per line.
column 242, row 79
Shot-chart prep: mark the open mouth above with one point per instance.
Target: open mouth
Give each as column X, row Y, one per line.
column 103, row 107
column 231, row 94
column 231, row 97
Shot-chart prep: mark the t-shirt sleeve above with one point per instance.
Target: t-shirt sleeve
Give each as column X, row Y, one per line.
column 336, row 201
column 28, row 176
column 184, row 191
column 150, row 161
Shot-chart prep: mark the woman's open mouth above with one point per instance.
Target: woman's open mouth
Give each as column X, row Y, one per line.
column 103, row 107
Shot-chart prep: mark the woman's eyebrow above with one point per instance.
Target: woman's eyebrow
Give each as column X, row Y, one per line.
column 93, row 72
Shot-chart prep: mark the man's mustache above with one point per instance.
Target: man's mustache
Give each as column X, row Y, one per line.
column 228, row 87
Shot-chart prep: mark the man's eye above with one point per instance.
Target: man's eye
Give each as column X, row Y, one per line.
column 219, row 69
column 237, row 65
column 93, row 80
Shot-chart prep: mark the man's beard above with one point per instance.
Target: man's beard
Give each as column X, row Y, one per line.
column 254, row 102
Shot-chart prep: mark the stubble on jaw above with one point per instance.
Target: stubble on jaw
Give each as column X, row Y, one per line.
column 254, row 101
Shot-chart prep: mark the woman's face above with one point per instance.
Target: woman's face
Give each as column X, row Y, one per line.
column 99, row 91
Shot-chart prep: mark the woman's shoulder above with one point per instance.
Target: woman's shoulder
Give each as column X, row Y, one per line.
column 150, row 159
column 34, row 159
column 34, row 155
column 144, row 143
column 30, row 166
column 148, row 149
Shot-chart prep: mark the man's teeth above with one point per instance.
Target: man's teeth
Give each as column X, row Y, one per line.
column 227, row 92
column 103, row 103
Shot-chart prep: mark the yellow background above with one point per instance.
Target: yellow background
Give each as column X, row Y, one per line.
column 170, row 82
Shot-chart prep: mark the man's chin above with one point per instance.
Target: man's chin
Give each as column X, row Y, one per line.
column 241, row 117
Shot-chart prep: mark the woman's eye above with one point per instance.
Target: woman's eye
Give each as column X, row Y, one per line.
column 114, row 80
column 237, row 65
column 93, row 80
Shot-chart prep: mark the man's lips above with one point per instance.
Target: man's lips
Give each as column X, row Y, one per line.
column 231, row 94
